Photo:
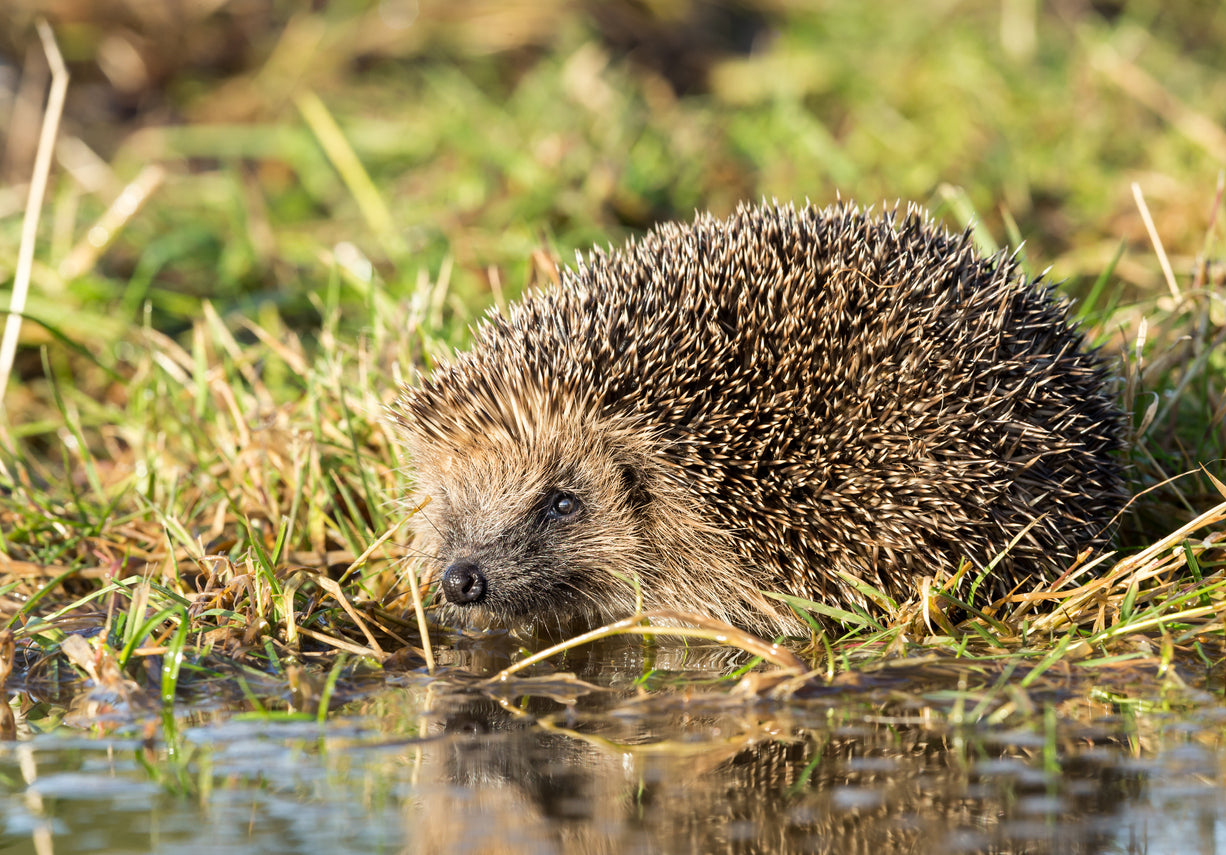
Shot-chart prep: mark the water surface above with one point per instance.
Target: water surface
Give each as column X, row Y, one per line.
column 640, row 749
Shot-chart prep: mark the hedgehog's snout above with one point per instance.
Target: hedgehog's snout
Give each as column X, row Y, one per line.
column 463, row 583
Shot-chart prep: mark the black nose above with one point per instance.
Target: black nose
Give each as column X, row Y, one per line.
column 464, row 583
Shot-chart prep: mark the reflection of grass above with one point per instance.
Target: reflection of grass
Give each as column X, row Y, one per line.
column 196, row 464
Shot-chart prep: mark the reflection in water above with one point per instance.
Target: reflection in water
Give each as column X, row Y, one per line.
column 679, row 778
column 564, row 764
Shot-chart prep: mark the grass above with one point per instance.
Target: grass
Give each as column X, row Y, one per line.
column 195, row 473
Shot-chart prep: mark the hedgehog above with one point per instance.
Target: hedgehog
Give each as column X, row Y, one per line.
column 804, row 403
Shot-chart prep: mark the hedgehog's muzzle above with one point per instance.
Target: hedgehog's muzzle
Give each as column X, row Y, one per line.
column 463, row 583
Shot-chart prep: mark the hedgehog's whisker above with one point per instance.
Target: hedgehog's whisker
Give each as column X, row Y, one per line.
column 418, row 553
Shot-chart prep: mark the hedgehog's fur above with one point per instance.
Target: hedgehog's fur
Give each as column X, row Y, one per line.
column 773, row 402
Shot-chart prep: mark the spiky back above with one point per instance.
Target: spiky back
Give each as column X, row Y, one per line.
column 839, row 390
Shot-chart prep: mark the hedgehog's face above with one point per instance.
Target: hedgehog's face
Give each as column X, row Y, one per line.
column 540, row 532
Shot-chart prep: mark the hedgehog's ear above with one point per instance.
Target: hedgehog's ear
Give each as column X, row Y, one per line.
column 636, row 468
column 635, row 486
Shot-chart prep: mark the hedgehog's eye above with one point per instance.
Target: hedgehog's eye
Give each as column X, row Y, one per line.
column 562, row 506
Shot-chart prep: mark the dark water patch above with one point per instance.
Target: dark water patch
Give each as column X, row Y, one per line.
column 638, row 748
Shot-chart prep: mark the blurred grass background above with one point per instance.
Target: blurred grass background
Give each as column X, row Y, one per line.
column 285, row 178
column 493, row 129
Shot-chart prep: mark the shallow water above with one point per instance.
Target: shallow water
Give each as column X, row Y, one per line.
column 928, row 756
